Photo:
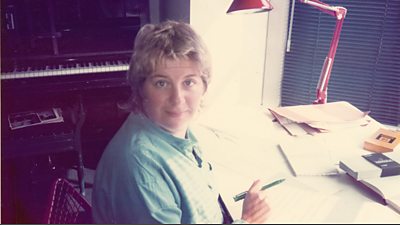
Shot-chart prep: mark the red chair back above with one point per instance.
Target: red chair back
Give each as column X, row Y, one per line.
column 67, row 205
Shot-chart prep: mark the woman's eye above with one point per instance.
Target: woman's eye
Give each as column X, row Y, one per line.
column 189, row 83
column 161, row 83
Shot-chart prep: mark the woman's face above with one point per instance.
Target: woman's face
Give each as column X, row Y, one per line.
column 172, row 95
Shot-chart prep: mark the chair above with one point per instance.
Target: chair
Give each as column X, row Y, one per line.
column 67, row 205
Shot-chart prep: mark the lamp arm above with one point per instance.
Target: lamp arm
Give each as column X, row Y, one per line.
column 340, row 13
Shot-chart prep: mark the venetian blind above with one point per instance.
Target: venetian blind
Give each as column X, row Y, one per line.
column 366, row 70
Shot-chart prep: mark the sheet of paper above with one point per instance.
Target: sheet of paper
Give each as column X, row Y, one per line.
column 394, row 203
column 321, row 117
column 309, row 156
column 329, row 112
column 369, row 210
column 388, row 186
column 293, row 128
column 291, row 202
column 335, row 126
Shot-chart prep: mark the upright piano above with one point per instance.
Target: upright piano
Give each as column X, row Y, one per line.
column 67, row 54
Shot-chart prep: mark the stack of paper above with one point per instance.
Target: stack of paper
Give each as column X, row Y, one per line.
column 312, row 119
column 33, row 118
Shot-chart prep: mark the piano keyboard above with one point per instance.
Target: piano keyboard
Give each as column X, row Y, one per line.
column 67, row 69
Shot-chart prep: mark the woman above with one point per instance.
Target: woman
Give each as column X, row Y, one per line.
column 152, row 170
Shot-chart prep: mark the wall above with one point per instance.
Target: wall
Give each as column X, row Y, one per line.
column 275, row 52
column 237, row 44
column 238, row 47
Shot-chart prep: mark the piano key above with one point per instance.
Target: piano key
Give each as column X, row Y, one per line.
column 67, row 69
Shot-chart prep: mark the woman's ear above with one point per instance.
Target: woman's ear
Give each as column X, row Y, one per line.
column 205, row 90
column 205, row 84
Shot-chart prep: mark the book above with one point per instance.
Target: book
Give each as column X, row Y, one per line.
column 373, row 165
column 388, row 188
column 380, row 172
column 394, row 203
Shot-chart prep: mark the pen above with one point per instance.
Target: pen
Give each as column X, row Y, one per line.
column 241, row 196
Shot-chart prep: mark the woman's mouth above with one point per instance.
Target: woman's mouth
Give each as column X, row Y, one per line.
column 176, row 113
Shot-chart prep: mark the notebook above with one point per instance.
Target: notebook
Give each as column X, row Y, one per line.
column 374, row 177
column 388, row 188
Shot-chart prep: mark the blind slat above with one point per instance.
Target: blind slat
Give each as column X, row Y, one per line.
column 366, row 70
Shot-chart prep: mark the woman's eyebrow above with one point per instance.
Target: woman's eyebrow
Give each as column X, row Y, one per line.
column 157, row 76
column 192, row 75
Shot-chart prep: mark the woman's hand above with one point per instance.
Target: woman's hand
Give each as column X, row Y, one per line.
column 255, row 207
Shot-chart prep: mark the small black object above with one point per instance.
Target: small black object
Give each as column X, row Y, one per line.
column 389, row 166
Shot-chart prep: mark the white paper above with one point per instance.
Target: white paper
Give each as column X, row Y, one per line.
column 309, row 156
column 33, row 118
column 290, row 202
column 369, row 210
column 388, row 187
column 333, row 112
column 293, row 204
column 319, row 118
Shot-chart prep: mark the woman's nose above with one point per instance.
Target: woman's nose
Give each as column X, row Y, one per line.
column 176, row 96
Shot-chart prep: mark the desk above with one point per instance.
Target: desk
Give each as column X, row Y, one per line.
column 243, row 146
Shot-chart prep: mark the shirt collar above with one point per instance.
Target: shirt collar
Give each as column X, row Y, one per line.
column 186, row 145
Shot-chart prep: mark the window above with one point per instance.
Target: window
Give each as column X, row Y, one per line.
column 366, row 70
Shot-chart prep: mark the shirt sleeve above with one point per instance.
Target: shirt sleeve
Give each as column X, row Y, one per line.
column 160, row 202
column 158, row 192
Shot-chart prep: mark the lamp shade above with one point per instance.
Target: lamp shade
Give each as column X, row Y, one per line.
column 249, row 6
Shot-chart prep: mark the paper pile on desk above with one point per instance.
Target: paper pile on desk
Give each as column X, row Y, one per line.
column 317, row 118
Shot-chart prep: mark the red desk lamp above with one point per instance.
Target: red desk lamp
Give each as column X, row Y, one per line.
column 337, row 11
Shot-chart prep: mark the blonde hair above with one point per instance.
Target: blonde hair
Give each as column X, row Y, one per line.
column 170, row 40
